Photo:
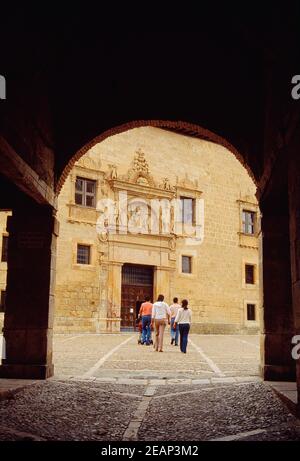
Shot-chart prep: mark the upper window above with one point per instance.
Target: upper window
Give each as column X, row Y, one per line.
column 249, row 222
column 85, row 192
column 249, row 274
column 83, row 254
column 187, row 210
column 186, row 264
column 4, row 248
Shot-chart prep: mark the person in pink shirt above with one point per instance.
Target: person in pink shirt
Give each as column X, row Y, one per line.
column 145, row 314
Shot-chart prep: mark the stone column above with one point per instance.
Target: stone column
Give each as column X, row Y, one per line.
column 294, row 209
column 28, row 322
column 162, row 283
column 114, row 289
column 278, row 325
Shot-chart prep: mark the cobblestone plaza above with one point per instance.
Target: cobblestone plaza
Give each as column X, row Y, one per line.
column 109, row 388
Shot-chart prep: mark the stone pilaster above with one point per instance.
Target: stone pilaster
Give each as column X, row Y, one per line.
column 162, row 282
column 114, row 289
column 278, row 324
column 294, row 212
column 28, row 322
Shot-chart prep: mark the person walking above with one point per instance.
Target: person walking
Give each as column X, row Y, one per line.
column 161, row 315
column 174, row 331
column 145, row 314
column 183, row 319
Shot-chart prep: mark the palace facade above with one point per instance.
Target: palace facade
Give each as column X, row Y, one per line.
column 150, row 211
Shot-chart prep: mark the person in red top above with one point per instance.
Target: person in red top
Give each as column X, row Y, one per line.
column 145, row 313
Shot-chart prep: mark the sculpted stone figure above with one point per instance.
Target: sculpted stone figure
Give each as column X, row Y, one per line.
column 107, row 216
column 138, row 219
column 113, row 172
column 166, row 184
column 165, row 217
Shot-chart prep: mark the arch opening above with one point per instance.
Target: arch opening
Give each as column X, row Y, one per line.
column 149, row 160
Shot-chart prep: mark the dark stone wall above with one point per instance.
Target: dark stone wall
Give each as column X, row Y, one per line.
column 28, row 321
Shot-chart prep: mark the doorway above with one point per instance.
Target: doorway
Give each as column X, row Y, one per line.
column 137, row 282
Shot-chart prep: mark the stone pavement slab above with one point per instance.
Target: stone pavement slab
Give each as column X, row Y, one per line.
column 287, row 391
column 200, row 381
column 222, row 380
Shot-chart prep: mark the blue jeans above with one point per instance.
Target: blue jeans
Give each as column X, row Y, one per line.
column 174, row 333
column 184, row 329
column 146, row 325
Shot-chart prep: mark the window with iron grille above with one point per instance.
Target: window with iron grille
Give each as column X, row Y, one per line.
column 2, row 301
column 4, row 248
column 187, row 210
column 137, row 275
column 186, row 264
column 248, row 218
column 83, row 254
column 249, row 274
column 251, row 312
column 85, row 192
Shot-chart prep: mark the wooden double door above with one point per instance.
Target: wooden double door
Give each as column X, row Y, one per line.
column 137, row 283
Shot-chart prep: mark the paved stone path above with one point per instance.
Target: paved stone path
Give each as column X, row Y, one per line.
column 108, row 388
column 115, row 357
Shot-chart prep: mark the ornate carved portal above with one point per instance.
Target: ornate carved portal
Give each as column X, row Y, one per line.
column 137, row 225
column 137, row 282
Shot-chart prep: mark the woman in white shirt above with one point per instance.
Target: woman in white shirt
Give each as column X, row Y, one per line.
column 161, row 315
column 183, row 319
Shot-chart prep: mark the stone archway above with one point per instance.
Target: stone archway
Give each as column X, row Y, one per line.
column 179, row 127
column 276, row 364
